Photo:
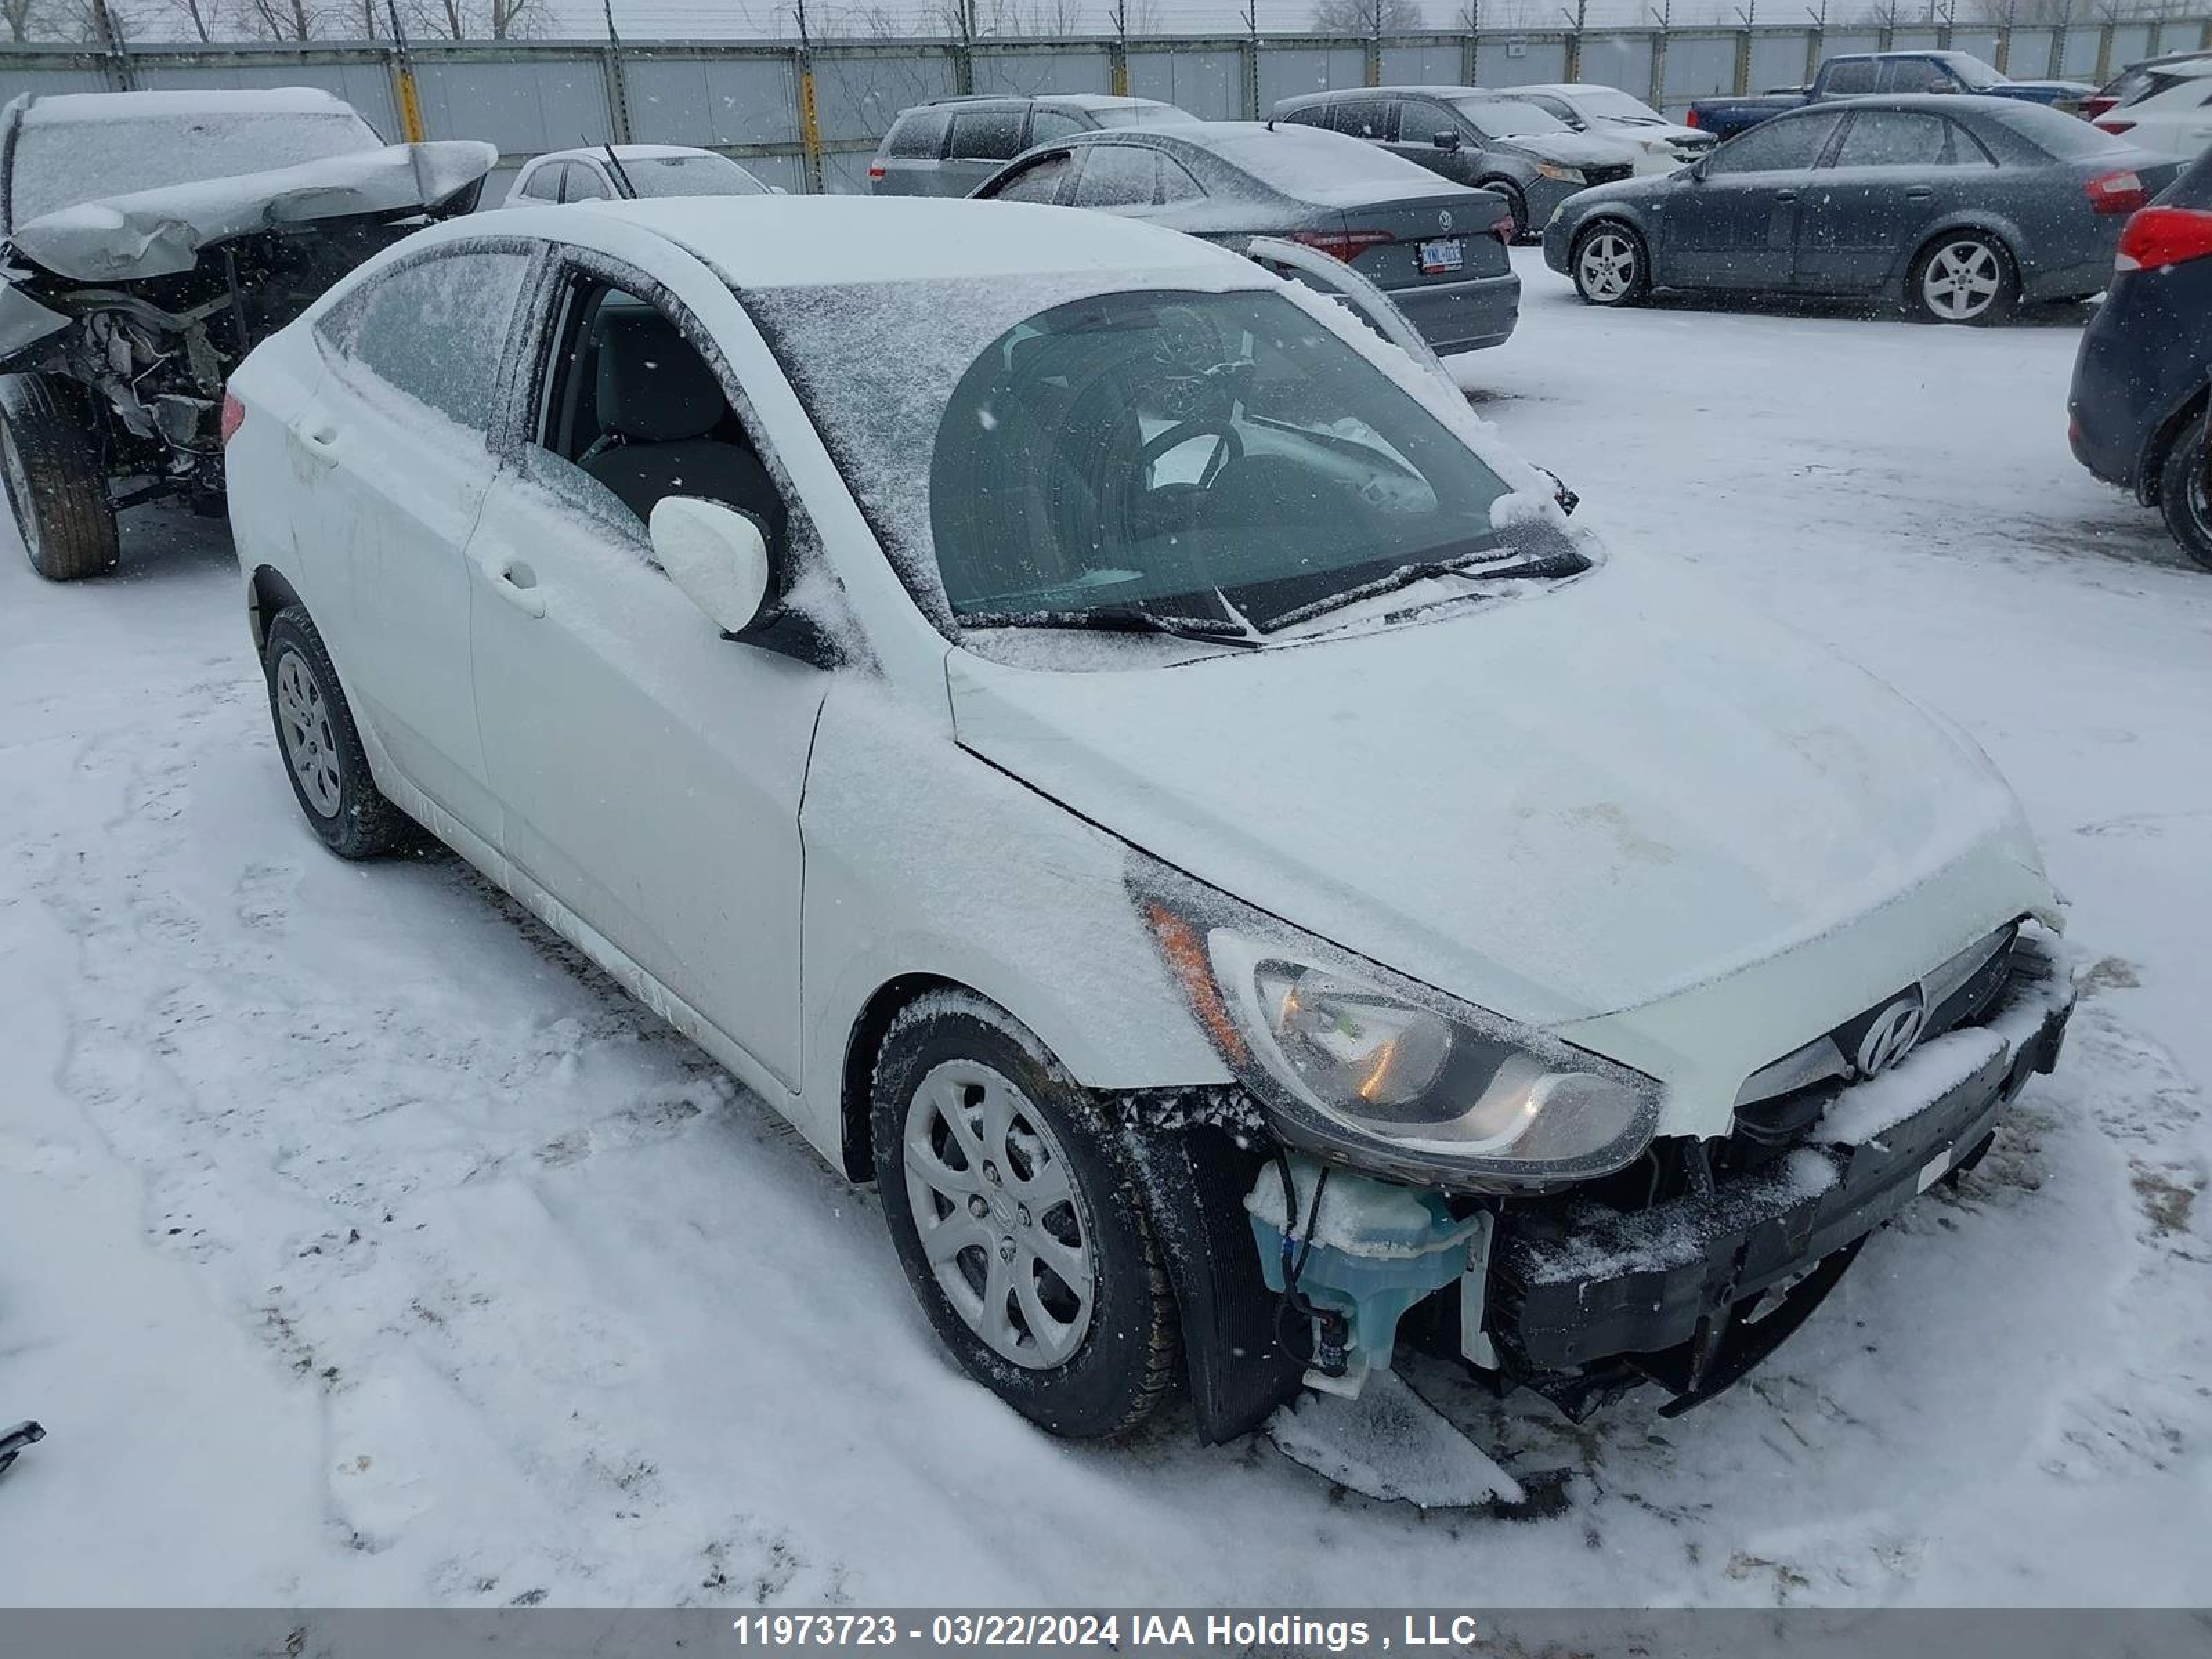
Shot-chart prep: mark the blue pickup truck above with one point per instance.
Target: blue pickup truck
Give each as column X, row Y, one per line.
column 1861, row 73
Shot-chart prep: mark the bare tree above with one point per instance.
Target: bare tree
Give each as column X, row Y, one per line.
column 279, row 19
column 481, row 20
column 1366, row 16
column 24, row 20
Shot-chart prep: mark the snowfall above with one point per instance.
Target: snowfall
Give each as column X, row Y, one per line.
column 360, row 1244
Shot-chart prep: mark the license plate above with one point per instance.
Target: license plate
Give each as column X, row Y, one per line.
column 1438, row 257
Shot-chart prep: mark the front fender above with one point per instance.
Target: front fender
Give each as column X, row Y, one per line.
column 25, row 327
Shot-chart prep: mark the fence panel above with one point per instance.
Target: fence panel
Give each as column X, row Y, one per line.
column 1025, row 72
column 365, row 86
column 2130, row 43
column 1618, row 60
column 2077, row 58
column 715, row 101
column 1287, row 72
column 527, row 105
column 2030, row 57
column 1430, row 65
column 43, row 79
column 858, row 94
column 1209, row 84
column 1915, row 40
column 1519, row 62
column 1980, row 43
column 1699, row 66
column 1777, row 60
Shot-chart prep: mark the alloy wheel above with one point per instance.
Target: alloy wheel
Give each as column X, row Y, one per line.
column 1607, row 266
column 1961, row 280
column 310, row 746
column 995, row 1207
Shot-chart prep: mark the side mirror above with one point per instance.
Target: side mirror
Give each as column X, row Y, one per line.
column 1447, row 140
column 716, row 554
column 1697, row 170
column 1566, row 498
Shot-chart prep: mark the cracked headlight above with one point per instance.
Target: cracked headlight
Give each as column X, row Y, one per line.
column 1564, row 175
column 1350, row 1058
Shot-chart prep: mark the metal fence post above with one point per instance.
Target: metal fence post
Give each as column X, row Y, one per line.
column 610, row 71
column 119, row 73
column 2103, row 55
column 1248, row 55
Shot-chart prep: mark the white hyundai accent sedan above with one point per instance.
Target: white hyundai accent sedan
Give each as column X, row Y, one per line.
column 1119, row 755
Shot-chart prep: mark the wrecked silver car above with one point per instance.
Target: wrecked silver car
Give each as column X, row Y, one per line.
column 152, row 238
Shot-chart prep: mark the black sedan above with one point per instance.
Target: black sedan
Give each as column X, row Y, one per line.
column 1437, row 249
column 1960, row 206
column 2143, row 378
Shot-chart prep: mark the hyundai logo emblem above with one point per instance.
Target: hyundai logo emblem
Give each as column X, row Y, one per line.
column 1891, row 1037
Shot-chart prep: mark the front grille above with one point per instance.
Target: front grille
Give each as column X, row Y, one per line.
column 1605, row 175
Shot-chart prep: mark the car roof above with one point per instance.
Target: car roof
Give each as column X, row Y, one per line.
column 807, row 241
column 623, row 153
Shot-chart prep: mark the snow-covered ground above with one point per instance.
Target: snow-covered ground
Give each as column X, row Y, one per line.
column 358, row 1244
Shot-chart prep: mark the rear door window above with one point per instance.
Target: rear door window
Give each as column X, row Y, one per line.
column 1895, row 138
column 1176, row 182
column 987, row 134
column 545, row 184
column 435, row 329
column 1117, row 175
column 584, row 183
column 1047, row 125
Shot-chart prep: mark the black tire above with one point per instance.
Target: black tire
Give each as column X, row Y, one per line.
column 1977, row 245
column 55, row 482
column 2185, row 488
column 1634, row 282
column 353, row 818
column 1124, row 1362
column 1516, row 203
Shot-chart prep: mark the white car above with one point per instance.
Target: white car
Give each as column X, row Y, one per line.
column 1662, row 145
column 1109, row 749
column 623, row 173
column 2166, row 108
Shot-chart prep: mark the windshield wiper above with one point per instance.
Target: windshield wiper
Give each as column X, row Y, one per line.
column 1129, row 619
column 1489, row 565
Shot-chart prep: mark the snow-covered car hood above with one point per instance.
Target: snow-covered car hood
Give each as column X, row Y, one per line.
column 1575, row 150
column 1557, row 806
column 157, row 233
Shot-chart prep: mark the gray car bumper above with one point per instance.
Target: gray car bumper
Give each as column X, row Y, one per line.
column 1463, row 316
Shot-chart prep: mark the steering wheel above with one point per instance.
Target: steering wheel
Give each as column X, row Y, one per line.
column 1232, row 447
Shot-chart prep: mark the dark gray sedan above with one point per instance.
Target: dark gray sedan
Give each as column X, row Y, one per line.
column 1437, row 250
column 1960, row 206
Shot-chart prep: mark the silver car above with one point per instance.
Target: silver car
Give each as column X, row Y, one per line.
column 951, row 145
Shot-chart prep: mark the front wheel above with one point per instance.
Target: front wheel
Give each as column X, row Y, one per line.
column 1517, row 205
column 1965, row 277
column 55, row 480
column 1610, row 264
column 1024, row 1230
column 2184, row 489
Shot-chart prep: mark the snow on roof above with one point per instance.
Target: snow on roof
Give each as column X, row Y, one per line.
column 802, row 241
column 1098, row 101
column 103, row 107
column 624, row 153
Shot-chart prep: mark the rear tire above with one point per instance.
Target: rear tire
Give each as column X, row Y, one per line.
column 321, row 747
column 54, row 478
column 1023, row 1227
column 1610, row 264
column 2184, row 489
column 1963, row 276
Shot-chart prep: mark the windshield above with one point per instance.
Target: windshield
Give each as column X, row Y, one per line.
column 1607, row 105
column 1505, row 118
column 1972, row 70
column 1225, row 457
column 689, row 175
column 60, row 162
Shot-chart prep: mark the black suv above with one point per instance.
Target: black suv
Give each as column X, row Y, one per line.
column 2139, row 402
column 949, row 146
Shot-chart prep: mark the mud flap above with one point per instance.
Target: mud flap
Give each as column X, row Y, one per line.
column 1239, row 1370
column 1726, row 1350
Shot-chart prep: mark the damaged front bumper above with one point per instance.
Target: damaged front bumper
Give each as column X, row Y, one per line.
column 1583, row 1301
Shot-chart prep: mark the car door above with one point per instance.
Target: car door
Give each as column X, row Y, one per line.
column 983, row 140
column 1732, row 223
column 1417, row 124
column 649, row 769
column 396, row 441
column 1875, row 193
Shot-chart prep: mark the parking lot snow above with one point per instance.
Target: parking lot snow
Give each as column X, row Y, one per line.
column 360, row 1244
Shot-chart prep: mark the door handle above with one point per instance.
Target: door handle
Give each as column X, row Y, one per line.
column 513, row 581
column 1785, row 195
column 1919, row 193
